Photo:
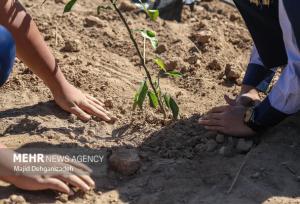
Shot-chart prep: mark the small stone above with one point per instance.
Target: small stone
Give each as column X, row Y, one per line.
column 243, row 145
column 171, row 65
column 192, row 60
column 63, row 198
column 201, row 37
column 256, row 175
column 72, row 118
column 214, row 65
column 91, row 21
column 108, row 103
column 220, row 138
column 17, row 199
column 211, row 145
column 125, row 161
column 200, row 148
column 226, row 151
column 126, row 6
column 232, row 72
column 161, row 49
column 71, row 46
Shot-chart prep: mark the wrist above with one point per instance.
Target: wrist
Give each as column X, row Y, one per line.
column 248, row 89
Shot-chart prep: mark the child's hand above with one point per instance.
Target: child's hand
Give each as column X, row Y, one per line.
column 82, row 105
column 59, row 181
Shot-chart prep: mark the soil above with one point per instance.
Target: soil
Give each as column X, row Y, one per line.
column 180, row 162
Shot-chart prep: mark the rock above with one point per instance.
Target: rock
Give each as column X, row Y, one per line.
column 126, row 6
column 91, row 21
column 71, row 46
column 232, row 72
column 125, row 161
column 72, row 118
column 210, row 134
column 201, row 37
column 225, row 151
column 108, row 103
column 220, row 138
column 200, row 148
column 64, row 198
column 171, row 65
column 161, row 49
column 214, row 65
column 16, row 199
column 256, row 175
column 243, row 145
column 211, row 145
column 192, row 60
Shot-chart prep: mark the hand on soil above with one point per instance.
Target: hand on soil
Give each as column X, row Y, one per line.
column 227, row 119
column 58, row 181
column 82, row 105
column 246, row 99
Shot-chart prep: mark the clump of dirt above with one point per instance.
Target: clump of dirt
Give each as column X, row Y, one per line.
column 179, row 162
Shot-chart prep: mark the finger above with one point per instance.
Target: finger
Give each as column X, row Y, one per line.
column 215, row 128
column 216, row 116
column 101, row 103
column 75, row 181
column 80, row 165
column 211, row 122
column 57, row 185
column 82, row 174
column 218, row 109
column 229, row 101
column 99, row 107
column 94, row 111
column 80, row 113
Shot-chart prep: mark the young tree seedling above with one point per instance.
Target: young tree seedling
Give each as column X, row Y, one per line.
column 156, row 97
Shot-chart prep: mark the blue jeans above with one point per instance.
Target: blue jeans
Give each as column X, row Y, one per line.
column 7, row 54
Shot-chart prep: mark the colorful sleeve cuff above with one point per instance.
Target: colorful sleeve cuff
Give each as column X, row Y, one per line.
column 266, row 116
column 255, row 74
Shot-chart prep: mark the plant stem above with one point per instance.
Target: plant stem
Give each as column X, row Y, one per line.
column 140, row 56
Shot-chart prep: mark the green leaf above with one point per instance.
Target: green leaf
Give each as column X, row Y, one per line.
column 153, row 14
column 174, row 108
column 175, row 74
column 69, row 6
column 150, row 35
column 153, row 100
column 140, row 96
column 161, row 64
column 167, row 100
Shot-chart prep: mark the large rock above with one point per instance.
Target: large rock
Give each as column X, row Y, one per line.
column 125, row 161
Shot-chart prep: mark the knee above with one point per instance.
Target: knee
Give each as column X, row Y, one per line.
column 7, row 53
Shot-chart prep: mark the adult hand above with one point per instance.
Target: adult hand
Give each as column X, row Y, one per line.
column 228, row 120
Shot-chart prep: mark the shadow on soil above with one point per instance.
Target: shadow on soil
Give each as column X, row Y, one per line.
column 176, row 168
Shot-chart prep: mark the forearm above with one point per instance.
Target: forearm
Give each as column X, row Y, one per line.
column 31, row 48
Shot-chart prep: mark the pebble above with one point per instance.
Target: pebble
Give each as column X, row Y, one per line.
column 125, row 161
column 201, row 37
column 192, row 60
column 161, row 49
column 225, row 151
column 255, row 175
column 16, row 199
column 108, row 103
column 91, row 21
column 211, row 145
column 232, row 72
column 63, row 198
column 214, row 65
column 126, row 6
column 71, row 46
column 220, row 138
column 72, row 118
column 243, row 145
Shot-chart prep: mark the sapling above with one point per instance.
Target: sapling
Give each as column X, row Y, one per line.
column 157, row 99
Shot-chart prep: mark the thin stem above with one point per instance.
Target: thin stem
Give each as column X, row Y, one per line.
column 140, row 56
column 144, row 50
